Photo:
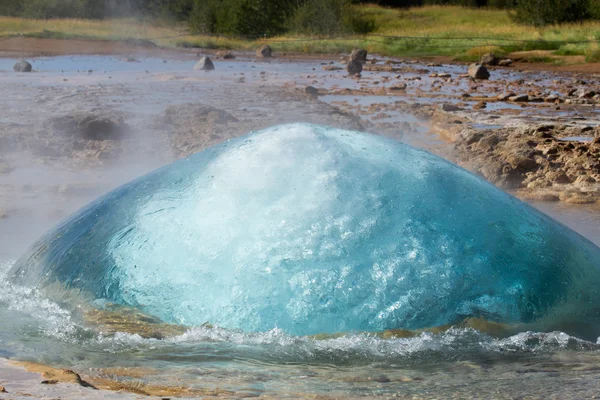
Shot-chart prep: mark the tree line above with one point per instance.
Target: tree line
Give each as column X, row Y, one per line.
column 271, row 17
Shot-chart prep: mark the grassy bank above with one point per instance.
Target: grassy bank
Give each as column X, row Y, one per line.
column 458, row 32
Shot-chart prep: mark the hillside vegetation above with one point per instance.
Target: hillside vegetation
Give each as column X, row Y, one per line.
column 463, row 33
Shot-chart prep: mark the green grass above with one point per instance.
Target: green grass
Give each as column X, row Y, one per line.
column 461, row 33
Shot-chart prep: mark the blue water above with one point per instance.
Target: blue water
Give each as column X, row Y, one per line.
column 309, row 229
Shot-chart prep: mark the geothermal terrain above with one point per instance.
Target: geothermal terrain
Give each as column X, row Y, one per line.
column 82, row 124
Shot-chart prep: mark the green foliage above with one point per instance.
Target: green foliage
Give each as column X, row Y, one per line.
column 546, row 12
column 11, row 8
column 593, row 56
column 241, row 17
column 329, row 17
column 594, row 9
column 62, row 9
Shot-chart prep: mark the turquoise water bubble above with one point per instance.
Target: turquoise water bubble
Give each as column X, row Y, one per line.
column 311, row 229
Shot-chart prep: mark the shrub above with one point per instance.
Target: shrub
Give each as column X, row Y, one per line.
column 241, row 17
column 545, row 12
column 329, row 17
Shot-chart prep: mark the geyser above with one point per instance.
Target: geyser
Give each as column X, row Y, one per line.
column 312, row 229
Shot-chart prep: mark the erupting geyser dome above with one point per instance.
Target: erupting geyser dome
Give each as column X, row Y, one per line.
column 312, row 229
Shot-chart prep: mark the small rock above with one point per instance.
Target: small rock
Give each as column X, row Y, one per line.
column 507, row 62
column 561, row 178
column 22, row 66
column 381, row 379
column 311, row 91
column 480, row 105
column 489, row 59
column 505, row 96
column 358, row 55
column 225, row 55
column 400, row 86
column 551, row 99
column 49, row 382
column 3, row 215
column 264, row 51
column 450, row 107
column 2, row 390
column 477, row 71
column 354, row 67
column 205, row 64
column 586, row 94
column 519, row 98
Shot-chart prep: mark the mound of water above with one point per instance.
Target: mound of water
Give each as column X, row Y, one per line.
column 311, row 229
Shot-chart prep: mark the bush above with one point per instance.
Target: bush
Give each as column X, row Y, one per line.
column 240, row 17
column 594, row 9
column 329, row 17
column 545, row 12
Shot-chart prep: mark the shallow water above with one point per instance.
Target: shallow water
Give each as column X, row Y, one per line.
column 459, row 363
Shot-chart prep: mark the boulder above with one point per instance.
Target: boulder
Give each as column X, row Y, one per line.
column 358, row 55
column 478, row 71
column 22, row 66
column 354, row 67
column 205, row 64
column 264, row 51
column 489, row 59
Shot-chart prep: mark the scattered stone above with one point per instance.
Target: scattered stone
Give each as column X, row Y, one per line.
column 585, row 94
column 450, row 107
column 331, row 68
column 358, row 55
column 264, row 51
column 477, row 71
column 552, row 98
column 311, row 91
column 380, row 379
column 131, row 60
column 507, row 62
column 22, row 66
column 205, row 64
column 49, row 382
column 480, row 105
column 561, row 178
column 519, row 98
column 3, row 390
column 354, row 67
column 399, row 87
column 225, row 55
column 505, row 96
column 489, row 59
